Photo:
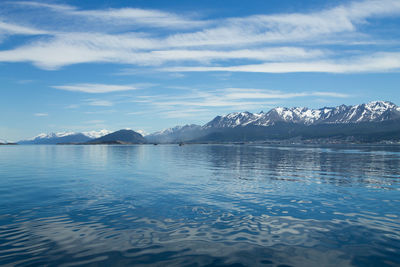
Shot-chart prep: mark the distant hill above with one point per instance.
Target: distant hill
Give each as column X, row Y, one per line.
column 120, row 137
column 56, row 138
column 63, row 137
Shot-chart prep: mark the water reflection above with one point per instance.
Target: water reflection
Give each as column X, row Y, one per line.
column 200, row 205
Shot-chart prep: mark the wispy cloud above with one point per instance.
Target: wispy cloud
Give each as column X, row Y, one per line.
column 273, row 43
column 238, row 93
column 95, row 88
column 72, row 106
column 41, row 114
column 118, row 16
column 15, row 29
column 133, row 49
column 100, row 103
column 291, row 28
column 378, row 62
column 199, row 103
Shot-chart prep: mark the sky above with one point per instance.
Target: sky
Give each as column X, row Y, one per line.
column 149, row 65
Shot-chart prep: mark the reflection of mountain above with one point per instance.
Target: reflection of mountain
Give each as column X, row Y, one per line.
column 307, row 164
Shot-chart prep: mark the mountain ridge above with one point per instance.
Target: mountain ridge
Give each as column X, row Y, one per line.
column 373, row 111
column 379, row 119
column 301, row 122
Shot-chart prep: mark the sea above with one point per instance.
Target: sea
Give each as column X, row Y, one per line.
column 200, row 205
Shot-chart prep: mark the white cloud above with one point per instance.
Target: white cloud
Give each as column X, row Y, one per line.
column 130, row 49
column 290, row 28
column 55, row 7
column 72, row 106
column 198, row 103
column 378, row 62
column 108, row 111
column 237, row 94
column 130, row 16
column 9, row 29
column 100, row 103
column 41, row 114
column 266, row 43
column 95, row 88
column 14, row 29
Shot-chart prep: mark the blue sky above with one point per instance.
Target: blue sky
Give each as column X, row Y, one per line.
column 149, row 65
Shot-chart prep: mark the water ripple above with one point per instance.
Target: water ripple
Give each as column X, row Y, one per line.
column 200, row 206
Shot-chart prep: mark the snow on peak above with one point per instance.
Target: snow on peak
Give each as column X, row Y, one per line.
column 175, row 129
column 297, row 114
column 52, row 135
column 380, row 106
column 232, row 120
column 90, row 134
column 142, row 132
column 96, row 134
column 373, row 111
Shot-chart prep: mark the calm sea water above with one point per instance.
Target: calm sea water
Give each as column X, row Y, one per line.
column 200, row 205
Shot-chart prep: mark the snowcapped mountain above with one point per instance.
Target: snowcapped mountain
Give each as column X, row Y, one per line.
column 176, row 134
column 65, row 137
column 372, row 112
column 96, row 134
column 377, row 120
column 52, row 135
column 371, row 122
column 233, row 120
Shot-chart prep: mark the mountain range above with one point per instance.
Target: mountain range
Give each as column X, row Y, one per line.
column 4, row 142
column 64, row 137
column 372, row 122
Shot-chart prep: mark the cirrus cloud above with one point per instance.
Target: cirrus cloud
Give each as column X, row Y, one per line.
column 274, row 43
column 95, row 88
